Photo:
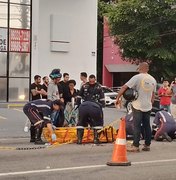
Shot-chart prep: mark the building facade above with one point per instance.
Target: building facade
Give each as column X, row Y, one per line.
column 116, row 72
column 15, row 49
column 40, row 35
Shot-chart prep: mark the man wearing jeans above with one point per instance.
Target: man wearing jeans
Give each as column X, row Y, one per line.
column 145, row 85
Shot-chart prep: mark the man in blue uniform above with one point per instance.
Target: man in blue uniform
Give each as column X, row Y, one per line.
column 39, row 112
column 164, row 125
column 90, row 110
column 130, row 126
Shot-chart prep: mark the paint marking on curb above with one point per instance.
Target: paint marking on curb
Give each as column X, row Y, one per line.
column 14, row 105
column 80, row 167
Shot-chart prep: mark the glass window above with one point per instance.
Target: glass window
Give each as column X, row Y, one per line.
column 19, row 40
column 18, row 89
column 3, row 0
column 3, row 64
column 19, row 64
column 19, row 16
column 3, row 39
column 3, row 89
column 20, row 1
column 3, row 14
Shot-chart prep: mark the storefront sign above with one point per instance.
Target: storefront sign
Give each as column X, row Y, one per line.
column 3, row 39
column 19, row 40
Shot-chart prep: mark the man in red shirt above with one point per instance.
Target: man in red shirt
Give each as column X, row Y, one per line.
column 164, row 93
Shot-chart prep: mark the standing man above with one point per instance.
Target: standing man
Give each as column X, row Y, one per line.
column 36, row 88
column 83, row 77
column 45, row 86
column 145, row 85
column 90, row 110
column 173, row 99
column 164, row 93
column 65, row 80
column 63, row 86
column 36, row 93
column 39, row 112
column 54, row 94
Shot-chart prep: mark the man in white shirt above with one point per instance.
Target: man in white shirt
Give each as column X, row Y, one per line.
column 145, row 85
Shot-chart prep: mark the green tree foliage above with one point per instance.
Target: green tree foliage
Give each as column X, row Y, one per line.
column 145, row 31
column 104, row 7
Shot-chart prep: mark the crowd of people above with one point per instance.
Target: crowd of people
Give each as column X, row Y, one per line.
column 57, row 103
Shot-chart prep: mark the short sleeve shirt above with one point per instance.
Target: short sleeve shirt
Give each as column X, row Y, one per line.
column 46, row 89
column 145, row 85
column 37, row 87
column 53, row 92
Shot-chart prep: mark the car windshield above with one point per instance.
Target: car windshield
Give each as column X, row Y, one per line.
column 107, row 90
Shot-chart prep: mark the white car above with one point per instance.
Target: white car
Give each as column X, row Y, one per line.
column 110, row 96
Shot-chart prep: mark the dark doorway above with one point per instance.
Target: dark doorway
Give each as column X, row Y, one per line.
column 120, row 78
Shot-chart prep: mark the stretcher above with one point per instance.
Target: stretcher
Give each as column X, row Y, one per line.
column 69, row 135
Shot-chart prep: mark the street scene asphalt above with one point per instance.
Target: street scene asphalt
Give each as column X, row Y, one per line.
column 72, row 161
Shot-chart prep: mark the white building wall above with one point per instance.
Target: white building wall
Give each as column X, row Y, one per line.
column 82, row 34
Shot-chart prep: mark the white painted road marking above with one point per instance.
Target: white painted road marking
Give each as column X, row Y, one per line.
column 1, row 117
column 18, row 110
column 80, row 167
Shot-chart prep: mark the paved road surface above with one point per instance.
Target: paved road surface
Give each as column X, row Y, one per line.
column 78, row 162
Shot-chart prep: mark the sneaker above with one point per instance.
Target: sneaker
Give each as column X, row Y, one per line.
column 39, row 142
column 133, row 148
column 168, row 138
column 32, row 140
column 146, row 148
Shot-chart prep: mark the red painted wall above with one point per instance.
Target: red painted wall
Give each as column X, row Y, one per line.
column 110, row 55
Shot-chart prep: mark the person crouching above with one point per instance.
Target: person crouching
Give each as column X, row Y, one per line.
column 164, row 125
column 39, row 112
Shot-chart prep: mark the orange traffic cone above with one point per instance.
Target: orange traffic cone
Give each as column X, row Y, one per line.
column 119, row 156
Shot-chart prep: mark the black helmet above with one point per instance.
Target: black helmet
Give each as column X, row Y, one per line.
column 55, row 74
column 130, row 94
column 59, row 103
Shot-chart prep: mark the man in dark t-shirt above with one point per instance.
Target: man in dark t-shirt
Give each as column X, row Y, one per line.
column 63, row 86
column 36, row 93
column 45, row 86
column 36, row 88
